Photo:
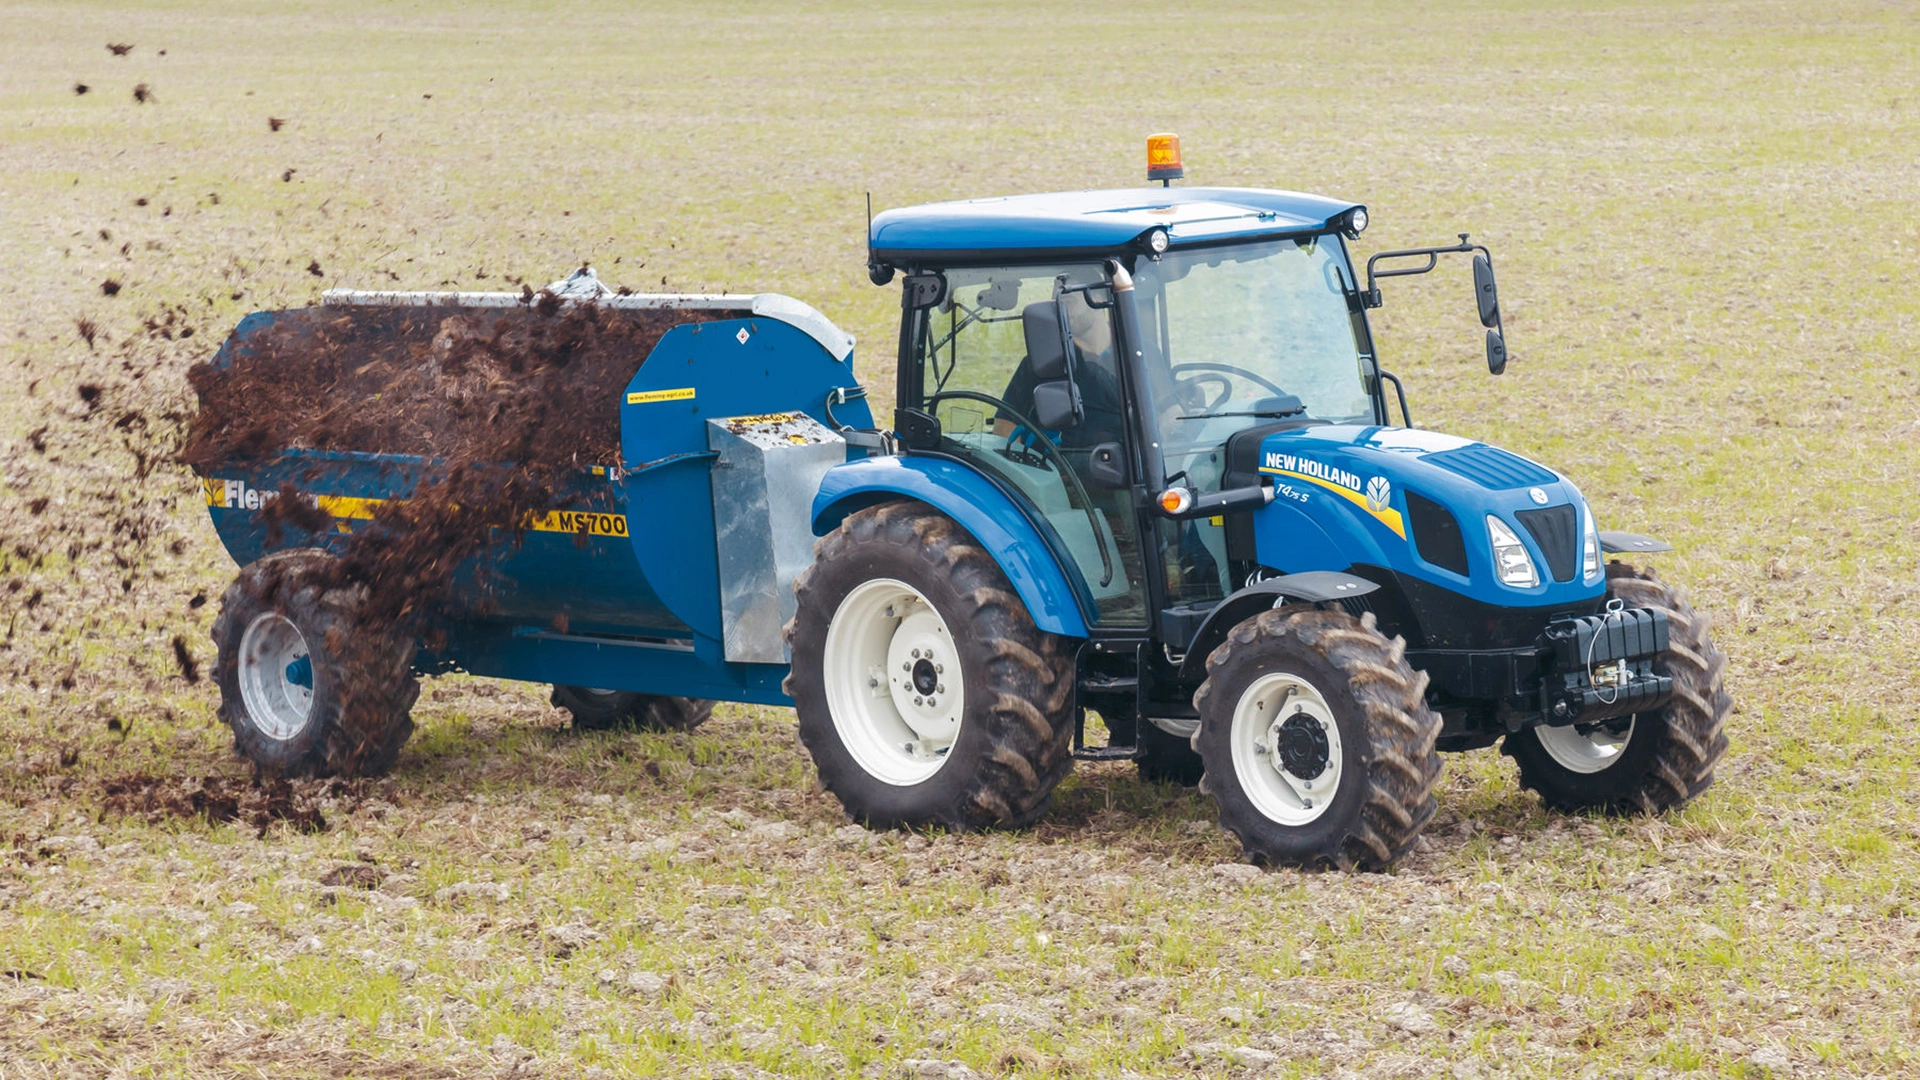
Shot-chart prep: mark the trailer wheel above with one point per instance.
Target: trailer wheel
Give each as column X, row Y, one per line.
column 1166, row 758
column 925, row 693
column 1317, row 741
column 307, row 687
column 599, row 710
column 1651, row 762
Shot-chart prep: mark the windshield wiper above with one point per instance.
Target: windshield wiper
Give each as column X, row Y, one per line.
column 1267, row 414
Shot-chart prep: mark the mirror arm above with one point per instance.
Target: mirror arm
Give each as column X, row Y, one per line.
column 1433, row 259
column 1406, row 418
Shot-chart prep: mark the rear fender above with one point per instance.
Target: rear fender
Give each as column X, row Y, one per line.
column 979, row 507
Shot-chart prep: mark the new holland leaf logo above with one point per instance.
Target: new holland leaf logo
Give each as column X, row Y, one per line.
column 1379, row 494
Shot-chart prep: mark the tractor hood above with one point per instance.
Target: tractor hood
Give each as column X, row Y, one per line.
column 1417, row 502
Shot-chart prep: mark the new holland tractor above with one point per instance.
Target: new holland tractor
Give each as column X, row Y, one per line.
column 1143, row 498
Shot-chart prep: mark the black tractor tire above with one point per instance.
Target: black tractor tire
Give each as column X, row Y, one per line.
column 605, row 710
column 359, row 677
column 1167, row 758
column 1670, row 754
column 1014, row 741
column 1383, row 794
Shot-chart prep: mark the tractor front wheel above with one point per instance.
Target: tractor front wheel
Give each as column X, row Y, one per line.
column 1648, row 762
column 1317, row 741
column 924, row 691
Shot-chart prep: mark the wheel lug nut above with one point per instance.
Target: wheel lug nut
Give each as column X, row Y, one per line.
column 904, row 666
column 939, row 669
column 919, row 701
column 941, row 689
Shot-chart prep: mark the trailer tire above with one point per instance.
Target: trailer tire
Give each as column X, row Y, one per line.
column 1166, row 758
column 605, row 710
column 902, row 575
column 1668, row 757
column 307, row 686
column 1361, row 716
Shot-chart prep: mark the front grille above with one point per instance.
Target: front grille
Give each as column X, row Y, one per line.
column 1557, row 530
column 1436, row 534
column 1491, row 467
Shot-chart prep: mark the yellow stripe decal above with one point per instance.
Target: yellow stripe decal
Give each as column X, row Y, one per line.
column 346, row 506
column 1388, row 517
column 352, row 508
column 643, row 397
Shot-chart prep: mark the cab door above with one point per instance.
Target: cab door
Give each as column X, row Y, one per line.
column 970, row 366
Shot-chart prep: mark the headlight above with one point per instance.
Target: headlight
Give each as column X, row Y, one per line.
column 1510, row 558
column 1357, row 220
column 1590, row 561
column 1157, row 241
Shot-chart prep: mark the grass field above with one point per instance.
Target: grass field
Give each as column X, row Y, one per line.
column 1706, row 218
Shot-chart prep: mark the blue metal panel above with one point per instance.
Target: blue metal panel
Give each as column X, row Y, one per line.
column 730, row 367
column 592, row 579
column 1083, row 220
column 1351, row 483
column 981, row 508
column 530, row 654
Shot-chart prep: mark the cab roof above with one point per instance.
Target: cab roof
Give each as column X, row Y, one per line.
column 1091, row 222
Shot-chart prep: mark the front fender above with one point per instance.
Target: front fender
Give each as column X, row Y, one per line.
column 980, row 508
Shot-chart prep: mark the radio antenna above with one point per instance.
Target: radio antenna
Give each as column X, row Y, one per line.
column 876, row 273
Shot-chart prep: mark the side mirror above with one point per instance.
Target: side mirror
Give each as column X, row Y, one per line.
column 1483, row 292
column 1056, row 405
column 1046, row 341
column 1496, row 352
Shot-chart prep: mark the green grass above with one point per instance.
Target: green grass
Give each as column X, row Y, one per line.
column 1704, row 218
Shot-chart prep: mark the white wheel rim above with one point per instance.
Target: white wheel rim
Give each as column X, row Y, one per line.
column 1279, row 726
column 1586, row 754
column 893, row 682
column 276, row 676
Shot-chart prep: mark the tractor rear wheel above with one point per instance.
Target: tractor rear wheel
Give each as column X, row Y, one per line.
column 307, row 685
column 925, row 692
column 1317, row 740
column 601, row 710
column 1648, row 762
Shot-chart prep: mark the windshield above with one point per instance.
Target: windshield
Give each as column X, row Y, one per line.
column 1254, row 329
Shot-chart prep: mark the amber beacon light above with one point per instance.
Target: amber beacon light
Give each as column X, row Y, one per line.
column 1163, row 158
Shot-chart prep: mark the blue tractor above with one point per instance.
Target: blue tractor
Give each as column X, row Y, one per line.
column 1143, row 499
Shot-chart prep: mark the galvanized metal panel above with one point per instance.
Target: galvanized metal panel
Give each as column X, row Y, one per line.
column 764, row 480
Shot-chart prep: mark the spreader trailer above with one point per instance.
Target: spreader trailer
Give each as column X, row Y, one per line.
column 1143, row 498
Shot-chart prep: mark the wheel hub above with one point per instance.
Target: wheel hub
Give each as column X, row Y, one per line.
column 1304, row 749
column 275, row 676
column 925, row 679
column 893, row 680
column 1286, row 747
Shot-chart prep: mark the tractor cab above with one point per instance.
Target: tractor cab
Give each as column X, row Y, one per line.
column 1113, row 361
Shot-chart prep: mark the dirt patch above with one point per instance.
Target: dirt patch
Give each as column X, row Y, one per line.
column 354, row 876
column 218, row 799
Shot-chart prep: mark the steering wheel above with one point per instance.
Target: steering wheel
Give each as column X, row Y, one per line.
column 1210, row 366
column 1189, row 394
column 1019, row 448
column 1046, row 447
